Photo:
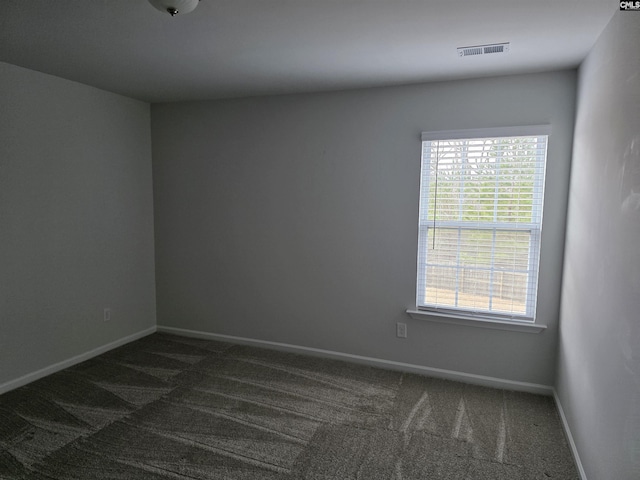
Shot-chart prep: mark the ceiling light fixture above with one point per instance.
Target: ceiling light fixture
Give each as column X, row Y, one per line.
column 175, row 7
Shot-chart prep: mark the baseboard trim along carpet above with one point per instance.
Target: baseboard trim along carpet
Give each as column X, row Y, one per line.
column 56, row 367
column 568, row 434
column 375, row 362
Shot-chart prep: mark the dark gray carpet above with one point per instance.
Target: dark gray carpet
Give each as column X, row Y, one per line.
column 168, row 407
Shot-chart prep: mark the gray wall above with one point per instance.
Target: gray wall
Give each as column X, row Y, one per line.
column 599, row 362
column 294, row 218
column 76, row 219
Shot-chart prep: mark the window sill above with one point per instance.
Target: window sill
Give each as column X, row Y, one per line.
column 475, row 322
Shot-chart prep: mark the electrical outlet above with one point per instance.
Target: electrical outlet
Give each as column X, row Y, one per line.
column 401, row 330
column 107, row 314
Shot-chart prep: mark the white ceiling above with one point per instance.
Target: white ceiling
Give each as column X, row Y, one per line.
column 232, row 48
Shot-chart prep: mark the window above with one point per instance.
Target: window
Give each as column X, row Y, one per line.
column 481, row 198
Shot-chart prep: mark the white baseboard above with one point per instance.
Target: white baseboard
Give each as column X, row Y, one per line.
column 56, row 367
column 376, row 362
column 567, row 432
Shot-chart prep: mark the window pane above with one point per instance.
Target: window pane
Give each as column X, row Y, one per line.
column 512, row 250
column 480, row 219
column 477, row 269
column 445, row 250
column 445, row 291
column 482, row 180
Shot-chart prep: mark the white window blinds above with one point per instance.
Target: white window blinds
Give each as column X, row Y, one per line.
column 481, row 199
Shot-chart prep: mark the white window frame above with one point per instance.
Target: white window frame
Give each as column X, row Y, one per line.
column 464, row 316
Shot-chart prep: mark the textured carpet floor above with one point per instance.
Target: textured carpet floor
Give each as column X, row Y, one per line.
column 168, row 407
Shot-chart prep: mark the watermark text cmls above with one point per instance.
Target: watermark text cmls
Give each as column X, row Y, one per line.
column 630, row 6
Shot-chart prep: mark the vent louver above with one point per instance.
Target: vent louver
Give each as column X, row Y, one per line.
column 483, row 49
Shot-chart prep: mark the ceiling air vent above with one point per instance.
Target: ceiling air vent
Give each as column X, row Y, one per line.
column 483, row 49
